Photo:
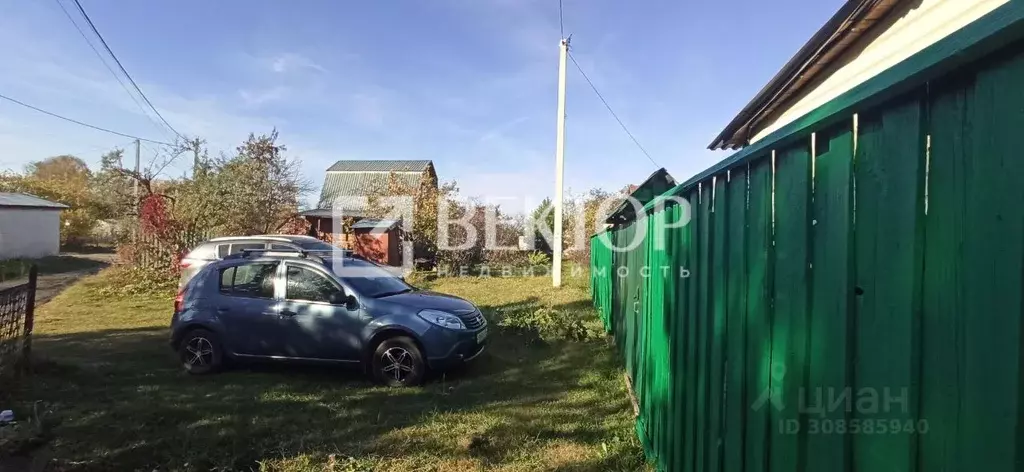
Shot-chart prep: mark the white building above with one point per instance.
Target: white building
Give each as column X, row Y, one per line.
column 29, row 226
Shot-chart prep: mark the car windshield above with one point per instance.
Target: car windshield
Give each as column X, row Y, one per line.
column 369, row 279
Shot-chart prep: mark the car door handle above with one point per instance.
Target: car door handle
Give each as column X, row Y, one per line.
column 288, row 313
column 223, row 309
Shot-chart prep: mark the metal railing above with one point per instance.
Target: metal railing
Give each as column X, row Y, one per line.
column 17, row 309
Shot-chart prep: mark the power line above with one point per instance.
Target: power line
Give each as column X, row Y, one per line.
column 126, row 74
column 109, row 69
column 87, row 125
column 609, row 107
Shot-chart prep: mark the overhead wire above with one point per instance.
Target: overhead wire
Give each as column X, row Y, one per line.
column 107, row 66
column 87, row 125
column 614, row 115
column 120, row 66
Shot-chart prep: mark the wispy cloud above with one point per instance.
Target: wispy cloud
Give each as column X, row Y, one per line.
column 292, row 62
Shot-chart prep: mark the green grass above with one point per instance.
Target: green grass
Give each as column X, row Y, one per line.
column 117, row 399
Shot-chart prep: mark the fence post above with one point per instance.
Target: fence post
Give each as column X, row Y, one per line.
column 30, row 314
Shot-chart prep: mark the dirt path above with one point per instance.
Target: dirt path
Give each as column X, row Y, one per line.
column 57, row 274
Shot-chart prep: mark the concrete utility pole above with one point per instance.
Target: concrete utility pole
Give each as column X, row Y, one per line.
column 556, row 269
column 135, row 189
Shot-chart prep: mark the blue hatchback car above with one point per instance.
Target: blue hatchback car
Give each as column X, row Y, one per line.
column 296, row 306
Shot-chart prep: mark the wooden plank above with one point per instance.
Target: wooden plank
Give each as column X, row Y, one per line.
column 889, row 205
column 832, row 295
column 704, row 327
column 718, row 279
column 736, row 403
column 759, row 313
column 992, row 418
column 789, row 327
column 942, row 368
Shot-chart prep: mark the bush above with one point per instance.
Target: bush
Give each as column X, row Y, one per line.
column 549, row 323
column 129, row 280
column 538, row 258
column 512, row 258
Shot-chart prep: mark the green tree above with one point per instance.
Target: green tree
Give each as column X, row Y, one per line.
column 65, row 179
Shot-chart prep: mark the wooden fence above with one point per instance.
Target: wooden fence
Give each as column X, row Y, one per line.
column 849, row 299
column 17, row 308
column 154, row 253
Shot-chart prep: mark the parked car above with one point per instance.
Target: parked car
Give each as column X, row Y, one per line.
column 219, row 248
column 294, row 306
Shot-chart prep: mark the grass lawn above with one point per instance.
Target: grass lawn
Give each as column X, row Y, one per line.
column 117, row 399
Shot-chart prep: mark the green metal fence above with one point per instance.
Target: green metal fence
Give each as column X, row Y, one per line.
column 848, row 300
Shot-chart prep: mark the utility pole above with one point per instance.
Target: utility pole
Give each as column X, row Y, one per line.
column 195, row 144
column 556, row 270
column 135, row 188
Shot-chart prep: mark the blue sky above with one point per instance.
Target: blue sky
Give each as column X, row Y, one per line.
column 470, row 84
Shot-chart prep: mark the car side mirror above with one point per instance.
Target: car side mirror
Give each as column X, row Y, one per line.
column 340, row 298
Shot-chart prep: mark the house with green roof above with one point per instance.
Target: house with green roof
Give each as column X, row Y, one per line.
column 349, row 183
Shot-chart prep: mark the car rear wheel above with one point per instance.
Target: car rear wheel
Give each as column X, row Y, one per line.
column 200, row 352
column 398, row 362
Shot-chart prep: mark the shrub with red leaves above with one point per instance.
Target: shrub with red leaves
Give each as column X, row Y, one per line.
column 155, row 218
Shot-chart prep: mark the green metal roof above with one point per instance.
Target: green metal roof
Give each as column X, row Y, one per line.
column 349, row 186
column 379, row 166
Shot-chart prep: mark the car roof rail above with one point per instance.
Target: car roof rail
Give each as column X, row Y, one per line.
column 318, row 254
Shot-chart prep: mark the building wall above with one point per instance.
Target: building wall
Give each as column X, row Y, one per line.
column 29, row 232
column 906, row 31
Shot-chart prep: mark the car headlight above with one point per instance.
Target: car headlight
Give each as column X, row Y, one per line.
column 442, row 319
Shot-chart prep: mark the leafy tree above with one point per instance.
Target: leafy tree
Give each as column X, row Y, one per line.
column 65, row 179
column 256, row 191
column 542, row 221
column 426, row 196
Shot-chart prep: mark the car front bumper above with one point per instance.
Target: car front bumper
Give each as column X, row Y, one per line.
column 447, row 349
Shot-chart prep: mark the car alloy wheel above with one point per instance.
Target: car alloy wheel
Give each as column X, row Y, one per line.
column 199, row 352
column 397, row 363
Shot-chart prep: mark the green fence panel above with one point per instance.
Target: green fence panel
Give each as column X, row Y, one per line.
column 673, row 411
column 736, row 403
column 889, row 206
column 789, row 328
column 853, row 308
column 760, row 279
column 704, row 318
column 991, row 417
column 943, row 366
column 717, row 297
column 683, row 373
column 692, row 325
column 832, row 294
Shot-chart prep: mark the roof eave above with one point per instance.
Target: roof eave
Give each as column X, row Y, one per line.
column 852, row 20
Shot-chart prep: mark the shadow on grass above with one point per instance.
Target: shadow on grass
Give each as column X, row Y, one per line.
column 118, row 400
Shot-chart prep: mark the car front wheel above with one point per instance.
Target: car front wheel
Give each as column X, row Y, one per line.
column 200, row 352
column 398, row 362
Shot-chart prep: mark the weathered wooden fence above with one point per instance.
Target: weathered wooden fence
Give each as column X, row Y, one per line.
column 155, row 253
column 17, row 307
column 849, row 299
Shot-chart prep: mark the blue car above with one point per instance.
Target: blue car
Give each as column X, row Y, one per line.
column 299, row 307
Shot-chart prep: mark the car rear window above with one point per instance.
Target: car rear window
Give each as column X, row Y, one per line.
column 249, row 280
column 224, row 250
